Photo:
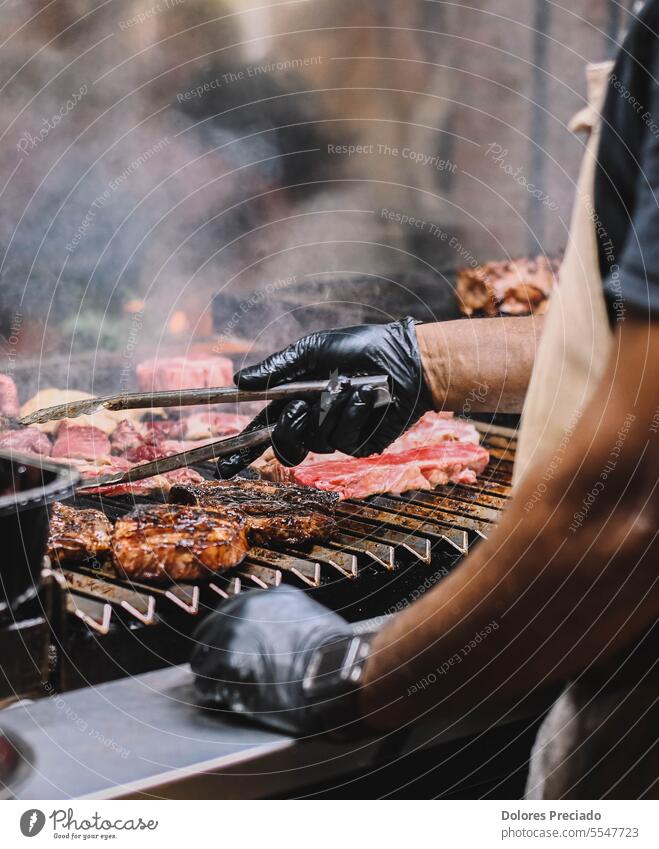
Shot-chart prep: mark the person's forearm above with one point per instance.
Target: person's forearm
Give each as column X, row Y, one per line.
column 480, row 364
column 548, row 594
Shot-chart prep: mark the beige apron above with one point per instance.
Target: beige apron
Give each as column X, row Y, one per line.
column 577, row 338
column 592, row 734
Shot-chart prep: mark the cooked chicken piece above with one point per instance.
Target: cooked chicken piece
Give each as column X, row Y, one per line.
column 168, row 541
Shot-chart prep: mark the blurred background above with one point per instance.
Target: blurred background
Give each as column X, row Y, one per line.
column 181, row 173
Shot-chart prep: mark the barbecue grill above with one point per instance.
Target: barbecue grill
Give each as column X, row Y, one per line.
column 388, row 551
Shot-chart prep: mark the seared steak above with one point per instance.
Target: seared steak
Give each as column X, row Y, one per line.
column 78, row 534
column 182, row 543
column 274, row 513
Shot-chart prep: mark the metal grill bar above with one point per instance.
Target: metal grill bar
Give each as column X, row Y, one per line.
column 96, row 615
column 139, row 605
column 474, row 496
column 457, row 510
column 261, row 576
column 418, row 546
column 484, row 487
column 225, row 587
column 432, row 511
column 342, row 561
column 183, row 596
column 304, row 570
column 377, row 552
column 435, row 529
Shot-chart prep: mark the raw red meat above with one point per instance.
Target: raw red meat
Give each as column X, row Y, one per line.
column 154, row 449
column 81, row 442
column 213, row 423
column 29, row 440
column 417, row 468
column 125, row 436
column 182, row 476
column 184, row 373
column 145, row 452
column 433, row 428
column 438, row 449
column 9, row 405
column 166, row 428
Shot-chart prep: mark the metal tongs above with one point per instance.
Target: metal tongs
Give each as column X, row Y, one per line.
column 327, row 389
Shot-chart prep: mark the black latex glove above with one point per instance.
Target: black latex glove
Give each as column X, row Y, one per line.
column 252, row 654
column 352, row 424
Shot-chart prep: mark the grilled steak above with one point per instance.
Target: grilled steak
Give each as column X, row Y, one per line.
column 274, row 513
column 170, row 541
column 8, row 397
column 189, row 372
column 78, row 534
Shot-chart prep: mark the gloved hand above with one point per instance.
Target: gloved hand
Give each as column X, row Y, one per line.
column 252, row 655
column 351, row 424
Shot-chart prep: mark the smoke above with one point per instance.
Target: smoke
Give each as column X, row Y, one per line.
column 111, row 191
column 183, row 156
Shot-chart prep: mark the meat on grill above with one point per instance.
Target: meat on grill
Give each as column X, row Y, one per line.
column 177, row 542
column 78, row 534
column 515, row 287
column 396, row 472
column 126, row 436
column 274, row 513
column 81, row 442
column 28, row 440
column 148, row 450
column 433, row 428
column 438, row 449
column 9, row 405
column 184, row 373
column 165, row 428
column 209, row 423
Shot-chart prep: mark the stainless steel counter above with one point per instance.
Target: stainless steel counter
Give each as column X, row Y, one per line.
column 143, row 737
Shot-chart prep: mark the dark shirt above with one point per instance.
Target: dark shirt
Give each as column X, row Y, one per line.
column 627, row 177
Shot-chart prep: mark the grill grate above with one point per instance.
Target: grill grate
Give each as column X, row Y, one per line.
column 388, row 549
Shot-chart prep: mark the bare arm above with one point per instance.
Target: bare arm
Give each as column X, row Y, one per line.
column 552, row 599
column 480, row 364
